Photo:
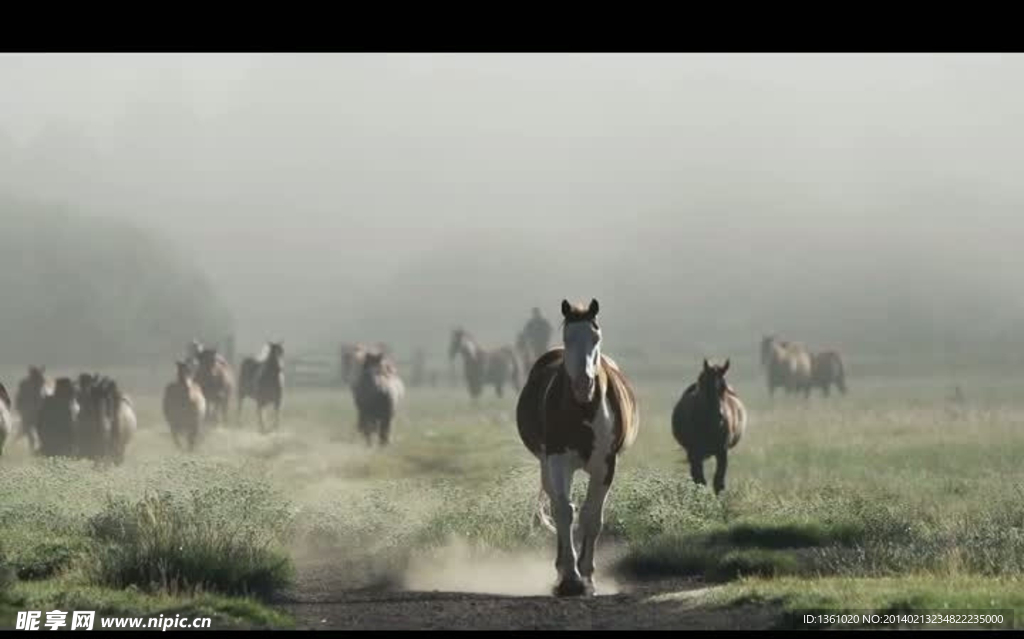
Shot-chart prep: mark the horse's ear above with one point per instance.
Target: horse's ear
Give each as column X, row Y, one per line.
column 706, row 365
column 566, row 308
column 725, row 366
column 594, row 307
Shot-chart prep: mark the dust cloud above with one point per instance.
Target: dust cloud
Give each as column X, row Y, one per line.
column 460, row 567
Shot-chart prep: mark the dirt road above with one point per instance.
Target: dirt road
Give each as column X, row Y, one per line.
column 321, row 601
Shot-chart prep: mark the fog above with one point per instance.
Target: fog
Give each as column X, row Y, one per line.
column 860, row 201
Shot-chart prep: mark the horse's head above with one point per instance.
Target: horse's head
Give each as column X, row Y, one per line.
column 711, row 382
column 207, row 357
column 184, row 371
column 275, row 350
column 458, row 336
column 85, row 381
column 581, row 336
column 64, row 388
column 373, row 363
column 37, row 374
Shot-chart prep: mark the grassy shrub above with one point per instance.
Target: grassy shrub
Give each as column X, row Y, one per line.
column 223, row 540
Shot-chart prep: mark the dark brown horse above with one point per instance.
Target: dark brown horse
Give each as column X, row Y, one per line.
column 263, row 381
column 28, row 399
column 535, row 338
column 106, row 421
column 708, row 421
column 577, row 411
column 827, row 370
column 484, row 367
column 58, row 417
column 377, row 393
column 352, row 356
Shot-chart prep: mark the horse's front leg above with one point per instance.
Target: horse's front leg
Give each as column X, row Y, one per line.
column 721, row 464
column 592, row 519
column 557, row 475
column 697, row 470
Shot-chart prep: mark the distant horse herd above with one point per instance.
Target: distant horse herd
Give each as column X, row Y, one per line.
column 576, row 410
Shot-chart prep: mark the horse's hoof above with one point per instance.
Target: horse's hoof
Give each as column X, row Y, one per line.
column 571, row 587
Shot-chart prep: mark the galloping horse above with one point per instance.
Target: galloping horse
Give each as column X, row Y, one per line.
column 184, row 407
column 263, row 381
column 106, row 421
column 217, row 382
column 484, row 367
column 577, row 411
column 787, row 365
column 708, row 420
column 377, row 393
column 28, row 400
column 352, row 357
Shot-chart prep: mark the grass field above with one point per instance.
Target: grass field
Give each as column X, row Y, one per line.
column 886, row 499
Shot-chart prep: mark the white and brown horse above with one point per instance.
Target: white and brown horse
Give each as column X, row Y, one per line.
column 577, row 411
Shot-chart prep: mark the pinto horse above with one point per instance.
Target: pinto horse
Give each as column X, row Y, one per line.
column 577, row 411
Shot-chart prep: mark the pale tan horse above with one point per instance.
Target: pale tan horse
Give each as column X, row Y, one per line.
column 485, row 367
column 577, row 411
column 787, row 365
column 184, row 407
column 707, row 421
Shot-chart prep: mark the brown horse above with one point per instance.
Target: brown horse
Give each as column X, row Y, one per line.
column 28, row 399
column 184, row 407
column 217, row 382
column 484, row 367
column 377, row 393
column 787, row 365
column 827, row 370
column 57, row 420
column 708, row 420
column 106, row 422
column 352, row 357
column 577, row 411
column 263, row 381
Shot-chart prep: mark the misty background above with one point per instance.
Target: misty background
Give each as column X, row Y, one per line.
column 864, row 202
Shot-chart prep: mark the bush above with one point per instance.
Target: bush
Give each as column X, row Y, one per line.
column 224, row 540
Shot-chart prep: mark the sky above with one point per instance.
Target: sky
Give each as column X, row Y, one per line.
column 704, row 199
